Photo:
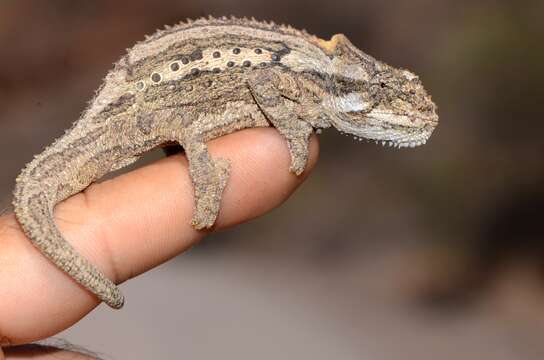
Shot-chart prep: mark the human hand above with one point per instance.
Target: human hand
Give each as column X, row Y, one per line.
column 131, row 224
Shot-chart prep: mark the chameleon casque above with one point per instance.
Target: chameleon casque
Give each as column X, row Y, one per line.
column 203, row 79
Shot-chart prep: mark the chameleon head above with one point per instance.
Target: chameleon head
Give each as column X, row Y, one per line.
column 375, row 101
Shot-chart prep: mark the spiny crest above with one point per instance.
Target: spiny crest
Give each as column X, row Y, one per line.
column 232, row 20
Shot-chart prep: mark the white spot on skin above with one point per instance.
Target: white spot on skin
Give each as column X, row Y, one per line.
column 395, row 119
column 351, row 102
column 140, row 85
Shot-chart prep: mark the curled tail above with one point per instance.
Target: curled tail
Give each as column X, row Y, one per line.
column 34, row 201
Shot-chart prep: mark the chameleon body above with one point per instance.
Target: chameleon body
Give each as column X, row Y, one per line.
column 203, row 79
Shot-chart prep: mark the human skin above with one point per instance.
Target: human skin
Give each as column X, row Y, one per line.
column 130, row 224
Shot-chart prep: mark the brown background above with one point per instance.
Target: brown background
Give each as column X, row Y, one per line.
column 429, row 253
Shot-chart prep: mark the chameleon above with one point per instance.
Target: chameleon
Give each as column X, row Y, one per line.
column 201, row 79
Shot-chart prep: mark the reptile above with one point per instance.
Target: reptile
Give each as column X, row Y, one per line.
column 202, row 79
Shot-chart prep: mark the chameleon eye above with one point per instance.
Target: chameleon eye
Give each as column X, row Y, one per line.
column 382, row 84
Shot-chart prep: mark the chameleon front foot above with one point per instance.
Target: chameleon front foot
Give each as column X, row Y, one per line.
column 208, row 193
column 298, row 148
column 283, row 114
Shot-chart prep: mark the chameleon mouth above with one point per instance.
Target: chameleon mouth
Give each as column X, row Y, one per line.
column 405, row 131
column 411, row 142
column 400, row 137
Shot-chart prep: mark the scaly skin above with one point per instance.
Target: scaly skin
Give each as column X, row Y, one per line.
column 200, row 80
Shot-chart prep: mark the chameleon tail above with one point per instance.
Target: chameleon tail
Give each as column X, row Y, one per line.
column 34, row 205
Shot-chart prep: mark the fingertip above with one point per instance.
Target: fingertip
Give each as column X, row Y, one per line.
column 260, row 178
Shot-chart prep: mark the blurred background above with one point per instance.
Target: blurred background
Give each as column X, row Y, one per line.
column 436, row 252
